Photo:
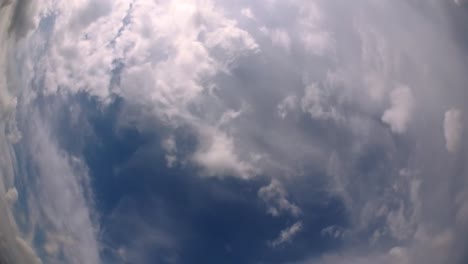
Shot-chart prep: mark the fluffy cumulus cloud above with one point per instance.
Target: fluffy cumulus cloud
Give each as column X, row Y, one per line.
column 398, row 115
column 176, row 131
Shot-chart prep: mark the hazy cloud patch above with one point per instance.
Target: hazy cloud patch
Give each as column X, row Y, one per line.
column 453, row 129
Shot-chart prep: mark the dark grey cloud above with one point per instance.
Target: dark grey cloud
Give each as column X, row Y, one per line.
column 22, row 19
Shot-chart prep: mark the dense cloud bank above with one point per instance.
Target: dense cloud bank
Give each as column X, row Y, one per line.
column 268, row 131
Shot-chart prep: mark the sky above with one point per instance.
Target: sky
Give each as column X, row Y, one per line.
column 233, row 131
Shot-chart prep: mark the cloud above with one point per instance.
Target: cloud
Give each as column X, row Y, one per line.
column 312, row 36
column 14, row 24
column 185, row 65
column 281, row 38
column 275, row 196
column 453, row 129
column 57, row 200
column 395, row 255
column 335, row 232
column 22, row 20
column 376, row 59
column 136, row 239
column 287, row 235
column 460, row 2
column 11, row 196
column 398, row 116
column 287, row 105
column 317, row 103
column 168, row 63
column 169, row 145
column 247, row 12
column 27, row 251
column 217, row 156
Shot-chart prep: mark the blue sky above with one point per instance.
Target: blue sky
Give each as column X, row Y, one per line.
column 200, row 131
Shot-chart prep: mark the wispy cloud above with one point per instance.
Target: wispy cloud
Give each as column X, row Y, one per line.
column 287, row 234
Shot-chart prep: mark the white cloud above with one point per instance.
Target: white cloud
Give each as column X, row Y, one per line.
column 217, row 156
column 52, row 247
column 287, row 105
column 398, row 116
column 287, row 235
column 399, row 255
column 335, row 232
column 11, row 196
column 398, row 224
column 453, row 129
column 171, row 50
column 275, row 196
column 174, row 52
column 316, row 102
column 280, row 38
column 376, row 59
column 394, row 256
column 169, row 145
column 57, row 201
column 315, row 40
column 15, row 21
column 247, row 12
column 308, row 29
column 27, row 251
column 187, row 54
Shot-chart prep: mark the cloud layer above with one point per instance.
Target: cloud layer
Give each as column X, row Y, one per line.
column 288, row 111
